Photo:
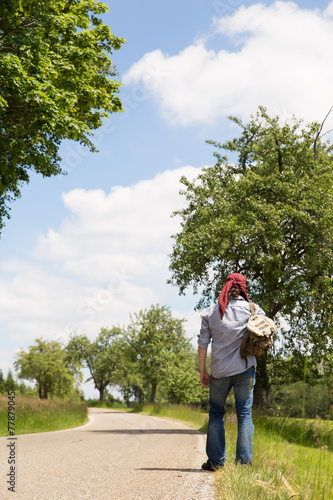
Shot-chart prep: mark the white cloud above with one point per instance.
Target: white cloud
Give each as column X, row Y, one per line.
column 107, row 260
column 281, row 59
column 124, row 234
column 328, row 12
column 192, row 323
column 6, row 362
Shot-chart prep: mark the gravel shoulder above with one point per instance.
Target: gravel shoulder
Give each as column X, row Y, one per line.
column 116, row 456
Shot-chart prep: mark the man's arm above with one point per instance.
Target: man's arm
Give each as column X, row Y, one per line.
column 204, row 376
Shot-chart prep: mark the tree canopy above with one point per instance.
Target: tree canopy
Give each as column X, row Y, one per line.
column 56, row 82
column 160, row 352
column 45, row 362
column 101, row 356
column 267, row 214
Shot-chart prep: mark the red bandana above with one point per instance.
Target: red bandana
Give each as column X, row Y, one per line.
column 234, row 279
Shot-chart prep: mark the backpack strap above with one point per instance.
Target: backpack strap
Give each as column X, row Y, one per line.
column 246, row 335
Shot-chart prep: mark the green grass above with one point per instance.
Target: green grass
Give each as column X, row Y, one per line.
column 307, row 432
column 41, row 415
column 282, row 468
column 185, row 414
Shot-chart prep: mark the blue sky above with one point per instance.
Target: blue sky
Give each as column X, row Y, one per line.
column 86, row 250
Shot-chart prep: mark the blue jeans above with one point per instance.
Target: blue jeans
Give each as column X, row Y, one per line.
column 243, row 384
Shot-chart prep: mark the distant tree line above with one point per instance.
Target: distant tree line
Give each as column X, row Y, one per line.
column 151, row 359
column 9, row 384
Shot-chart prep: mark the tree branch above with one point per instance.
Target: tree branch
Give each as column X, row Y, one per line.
column 318, row 134
column 249, row 140
column 21, row 25
column 279, row 154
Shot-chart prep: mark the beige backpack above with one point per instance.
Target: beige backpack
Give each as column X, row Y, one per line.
column 258, row 338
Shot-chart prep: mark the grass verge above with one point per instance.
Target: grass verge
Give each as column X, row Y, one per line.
column 41, row 415
column 307, row 432
column 181, row 413
column 282, row 468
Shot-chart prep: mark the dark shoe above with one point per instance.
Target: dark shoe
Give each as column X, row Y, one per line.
column 212, row 468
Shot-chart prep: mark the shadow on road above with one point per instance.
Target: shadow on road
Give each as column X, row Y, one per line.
column 146, row 431
column 201, row 471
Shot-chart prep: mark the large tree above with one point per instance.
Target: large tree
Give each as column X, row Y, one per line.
column 101, row 356
column 45, row 363
column 266, row 213
column 55, row 84
column 156, row 343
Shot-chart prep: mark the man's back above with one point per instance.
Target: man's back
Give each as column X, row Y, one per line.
column 226, row 336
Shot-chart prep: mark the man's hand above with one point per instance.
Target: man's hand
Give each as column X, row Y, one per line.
column 204, row 376
column 205, row 379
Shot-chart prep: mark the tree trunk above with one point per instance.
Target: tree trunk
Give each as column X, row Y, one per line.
column 153, row 392
column 261, row 387
column 42, row 391
column 101, row 393
column 260, row 396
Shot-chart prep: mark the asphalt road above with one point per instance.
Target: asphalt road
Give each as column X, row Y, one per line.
column 116, row 456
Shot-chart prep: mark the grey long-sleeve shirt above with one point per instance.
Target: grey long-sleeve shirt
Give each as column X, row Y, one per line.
column 226, row 336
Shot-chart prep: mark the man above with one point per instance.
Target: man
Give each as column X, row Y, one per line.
column 224, row 324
